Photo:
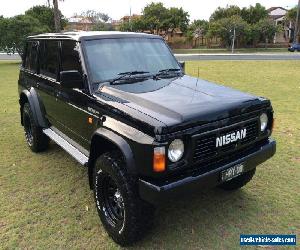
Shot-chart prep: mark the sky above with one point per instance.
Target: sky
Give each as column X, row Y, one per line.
column 198, row 9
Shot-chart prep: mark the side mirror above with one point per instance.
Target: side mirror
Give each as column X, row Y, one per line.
column 71, row 79
column 182, row 65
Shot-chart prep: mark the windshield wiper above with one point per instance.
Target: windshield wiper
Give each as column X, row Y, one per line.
column 166, row 71
column 127, row 74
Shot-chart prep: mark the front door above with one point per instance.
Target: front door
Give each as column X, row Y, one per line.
column 72, row 104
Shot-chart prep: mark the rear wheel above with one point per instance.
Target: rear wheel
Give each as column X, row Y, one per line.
column 36, row 139
column 124, row 215
column 238, row 181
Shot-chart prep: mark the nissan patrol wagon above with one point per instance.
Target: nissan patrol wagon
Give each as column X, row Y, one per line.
column 122, row 106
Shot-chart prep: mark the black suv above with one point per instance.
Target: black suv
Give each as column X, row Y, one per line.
column 122, row 106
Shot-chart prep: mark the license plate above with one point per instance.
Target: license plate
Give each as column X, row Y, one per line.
column 232, row 172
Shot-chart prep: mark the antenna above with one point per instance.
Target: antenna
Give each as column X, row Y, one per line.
column 198, row 76
column 130, row 16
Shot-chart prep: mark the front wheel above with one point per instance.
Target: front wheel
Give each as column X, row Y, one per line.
column 238, row 181
column 124, row 215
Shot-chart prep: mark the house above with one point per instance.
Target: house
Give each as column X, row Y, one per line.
column 277, row 14
column 125, row 19
column 77, row 23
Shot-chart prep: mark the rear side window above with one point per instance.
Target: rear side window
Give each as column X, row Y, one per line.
column 31, row 56
column 49, row 58
column 70, row 56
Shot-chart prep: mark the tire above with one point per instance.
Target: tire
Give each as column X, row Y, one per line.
column 36, row 139
column 238, row 181
column 124, row 215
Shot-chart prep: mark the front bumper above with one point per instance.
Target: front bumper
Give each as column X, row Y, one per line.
column 156, row 194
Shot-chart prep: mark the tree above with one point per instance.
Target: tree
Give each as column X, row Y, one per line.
column 56, row 11
column 199, row 27
column 226, row 12
column 45, row 15
column 155, row 17
column 136, row 24
column 100, row 20
column 96, row 17
column 16, row 29
column 161, row 20
column 267, row 29
column 3, row 32
column 225, row 27
column 254, row 14
column 177, row 18
column 102, row 27
column 252, row 35
column 291, row 15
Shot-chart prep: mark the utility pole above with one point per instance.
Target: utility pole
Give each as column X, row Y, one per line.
column 296, row 31
column 233, row 40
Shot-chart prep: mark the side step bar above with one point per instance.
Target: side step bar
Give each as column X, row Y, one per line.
column 74, row 152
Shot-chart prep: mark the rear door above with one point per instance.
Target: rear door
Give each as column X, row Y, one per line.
column 28, row 76
column 48, row 80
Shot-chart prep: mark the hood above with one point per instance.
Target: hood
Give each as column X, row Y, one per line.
column 184, row 100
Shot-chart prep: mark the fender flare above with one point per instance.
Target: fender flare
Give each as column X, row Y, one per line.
column 38, row 115
column 117, row 141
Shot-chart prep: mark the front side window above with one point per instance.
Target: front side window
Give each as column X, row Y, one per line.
column 31, row 56
column 70, row 56
column 107, row 58
column 49, row 58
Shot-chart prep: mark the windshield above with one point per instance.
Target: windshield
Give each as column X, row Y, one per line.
column 107, row 58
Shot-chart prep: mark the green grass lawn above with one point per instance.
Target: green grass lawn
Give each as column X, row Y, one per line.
column 45, row 201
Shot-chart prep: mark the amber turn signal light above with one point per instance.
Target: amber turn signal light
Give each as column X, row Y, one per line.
column 159, row 159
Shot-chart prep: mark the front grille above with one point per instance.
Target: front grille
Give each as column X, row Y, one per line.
column 205, row 145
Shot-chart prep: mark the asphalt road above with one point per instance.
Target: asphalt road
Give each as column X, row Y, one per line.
column 4, row 56
column 256, row 56
column 200, row 57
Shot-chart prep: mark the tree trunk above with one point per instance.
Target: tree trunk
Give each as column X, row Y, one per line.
column 56, row 16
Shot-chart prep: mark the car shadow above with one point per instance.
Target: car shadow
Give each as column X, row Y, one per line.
column 200, row 215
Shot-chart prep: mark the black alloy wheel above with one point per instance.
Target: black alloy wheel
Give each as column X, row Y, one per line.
column 36, row 139
column 113, row 201
column 28, row 129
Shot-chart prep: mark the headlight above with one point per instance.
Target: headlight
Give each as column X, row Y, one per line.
column 176, row 150
column 263, row 121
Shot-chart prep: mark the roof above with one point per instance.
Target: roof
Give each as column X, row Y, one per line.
column 277, row 17
column 274, row 8
column 91, row 35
